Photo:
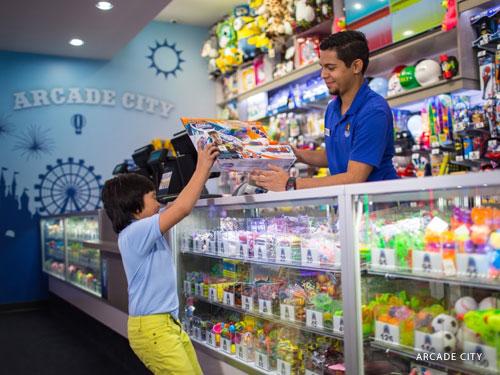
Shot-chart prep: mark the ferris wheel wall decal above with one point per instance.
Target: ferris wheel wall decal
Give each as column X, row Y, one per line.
column 165, row 59
column 68, row 186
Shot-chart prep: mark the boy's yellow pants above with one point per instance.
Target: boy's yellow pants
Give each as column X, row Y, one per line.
column 162, row 345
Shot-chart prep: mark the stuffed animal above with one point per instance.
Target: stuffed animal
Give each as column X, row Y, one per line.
column 210, row 52
column 305, row 14
column 229, row 55
column 279, row 21
column 324, row 10
column 450, row 17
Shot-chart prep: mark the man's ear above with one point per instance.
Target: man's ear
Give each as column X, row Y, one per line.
column 357, row 66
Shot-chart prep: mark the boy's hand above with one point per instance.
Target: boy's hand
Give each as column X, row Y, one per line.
column 206, row 157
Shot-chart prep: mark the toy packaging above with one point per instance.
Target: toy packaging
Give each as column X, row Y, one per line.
column 486, row 74
column 243, row 146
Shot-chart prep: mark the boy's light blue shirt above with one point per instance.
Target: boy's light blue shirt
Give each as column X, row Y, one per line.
column 150, row 269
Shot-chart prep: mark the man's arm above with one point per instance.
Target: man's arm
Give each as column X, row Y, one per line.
column 316, row 158
column 356, row 172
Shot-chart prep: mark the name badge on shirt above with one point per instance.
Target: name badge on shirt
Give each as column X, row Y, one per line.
column 347, row 131
column 327, row 132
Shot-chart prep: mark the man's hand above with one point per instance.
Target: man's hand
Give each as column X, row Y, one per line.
column 274, row 180
column 298, row 154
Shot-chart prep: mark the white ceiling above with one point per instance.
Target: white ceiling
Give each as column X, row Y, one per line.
column 46, row 26
column 197, row 12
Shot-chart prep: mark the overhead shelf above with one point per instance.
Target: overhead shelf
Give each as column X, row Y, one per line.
column 409, row 51
column 455, row 84
column 470, row 4
column 274, row 84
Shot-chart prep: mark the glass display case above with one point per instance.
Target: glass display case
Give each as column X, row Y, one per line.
column 429, row 298
column 69, row 252
column 261, row 281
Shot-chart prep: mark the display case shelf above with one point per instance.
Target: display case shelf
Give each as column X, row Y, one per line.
column 247, row 367
column 456, row 365
column 334, row 269
column 470, row 4
column 273, row 318
column 474, row 283
column 83, row 287
column 455, row 84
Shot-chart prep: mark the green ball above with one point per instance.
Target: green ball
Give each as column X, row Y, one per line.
column 407, row 78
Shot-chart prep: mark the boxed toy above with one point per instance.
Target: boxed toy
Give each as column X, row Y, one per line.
column 243, row 145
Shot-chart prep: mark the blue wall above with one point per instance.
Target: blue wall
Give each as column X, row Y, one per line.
column 44, row 150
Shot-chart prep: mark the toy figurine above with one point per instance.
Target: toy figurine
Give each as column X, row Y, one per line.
column 449, row 66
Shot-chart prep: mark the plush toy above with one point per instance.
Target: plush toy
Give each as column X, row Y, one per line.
column 305, row 14
column 485, row 323
column 250, row 31
column 494, row 244
column 339, row 24
column 210, row 52
column 324, row 10
column 445, row 322
column 450, row 17
column 280, row 21
column 229, row 55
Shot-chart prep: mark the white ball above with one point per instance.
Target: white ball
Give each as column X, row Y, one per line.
column 489, row 303
column 465, row 304
column 448, row 339
column 445, row 322
column 427, row 72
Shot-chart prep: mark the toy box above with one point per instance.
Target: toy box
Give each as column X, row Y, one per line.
column 243, row 145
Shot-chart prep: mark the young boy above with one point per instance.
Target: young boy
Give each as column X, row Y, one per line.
column 154, row 331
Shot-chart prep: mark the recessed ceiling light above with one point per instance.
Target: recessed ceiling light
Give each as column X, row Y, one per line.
column 76, row 42
column 408, row 32
column 104, row 5
column 357, row 6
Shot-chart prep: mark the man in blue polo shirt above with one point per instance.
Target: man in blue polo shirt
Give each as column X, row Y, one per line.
column 358, row 123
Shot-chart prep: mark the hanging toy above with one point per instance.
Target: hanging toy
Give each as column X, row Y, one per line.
column 449, row 66
column 450, row 18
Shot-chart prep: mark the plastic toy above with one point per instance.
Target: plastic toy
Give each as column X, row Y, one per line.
column 495, row 254
column 486, row 74
column 450, row 18
column 394, row 85
column 407, row 78
column 448, row 339
column 380, row 85
column 339, row 24
column 449, row 66
column 489, row 303
column 485, row 323
column 427, row 72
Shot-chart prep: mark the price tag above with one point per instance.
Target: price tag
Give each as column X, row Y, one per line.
column 243, row 353
column 425, row 342
column 228, row 298
column 284, row 254
column 474, row 155
column 473, row 266
column 263, row 361
column 435, row 151
column 260, row 251
column 459, row 158
column 211, row 339
column 198, row 289
column 387, row 333
column 284, row 368
column 187, row 287
column 247, row 303
column 479, row 125
column 484, row 40
column 265, row 307
column 212, row 294
column 314, row 319
column 383, row 258
column 287, row 312
column 492, row 143
column 435, row 144
column 212, row 248
column 310, row 257
column 226, row 345
column 243, row 251
column 415, row 156
column 398, row 149
column 425, row 261
column 481, row 356
column 221, row 250
column 415, row 148
column 338, row 324
column 197, row 333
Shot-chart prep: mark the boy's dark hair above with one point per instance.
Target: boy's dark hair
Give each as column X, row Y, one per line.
column 123, row 196
column 349, row 45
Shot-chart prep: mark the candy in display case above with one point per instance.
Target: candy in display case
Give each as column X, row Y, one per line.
column 432, row 284
column 53, row 250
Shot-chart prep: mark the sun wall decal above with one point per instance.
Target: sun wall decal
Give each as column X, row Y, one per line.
column 165, row 59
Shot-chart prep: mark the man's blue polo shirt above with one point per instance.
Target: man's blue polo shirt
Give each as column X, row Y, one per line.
column 364, row 134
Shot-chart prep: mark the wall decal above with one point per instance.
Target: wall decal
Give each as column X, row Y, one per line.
column 68, row 186
column 34, row 142
column 5, row 125
column 165, row 59
column 78, row 121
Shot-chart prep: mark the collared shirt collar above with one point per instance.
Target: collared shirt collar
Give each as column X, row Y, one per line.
column 356, row 103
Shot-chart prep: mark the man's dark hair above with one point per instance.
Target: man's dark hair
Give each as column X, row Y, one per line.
column 349, row 45
column 123, row 196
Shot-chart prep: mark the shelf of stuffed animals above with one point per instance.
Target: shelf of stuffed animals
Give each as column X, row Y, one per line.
column 470, row 4
column 443, row 86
